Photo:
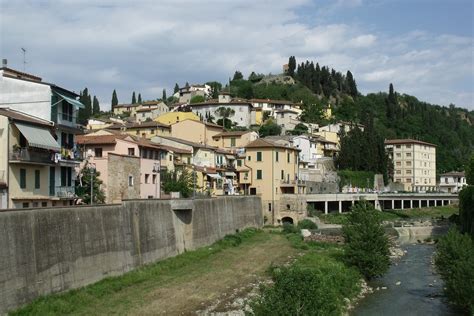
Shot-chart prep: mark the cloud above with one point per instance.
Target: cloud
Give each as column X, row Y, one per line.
column 145, row 46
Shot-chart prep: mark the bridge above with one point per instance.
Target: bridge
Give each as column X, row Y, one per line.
column 342, row 202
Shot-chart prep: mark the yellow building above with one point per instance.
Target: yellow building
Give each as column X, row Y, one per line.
column 414, row 163
column 274, row 171
column 143, row 129
column 174, row 117
column 234, row 139
column 195, row 131
column 327, row 112
column 121, row 109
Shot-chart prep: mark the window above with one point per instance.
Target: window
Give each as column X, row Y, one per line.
column 283, row 174
column 154, row 179
column 171, row 157
column 130, row 181
column 232, row 142
column 398, row 180
column 26, row 204
column 276, row 156
column 131, row 151
column 259, row 174
column 249, row 158
column 23, row 178
column 408, row 180
column 399, row 172
column 35, row 204
column 408, row 171
column 399, row 163
column 408, row 146
column 37, row 179
column 137, row 133
column 147, row 177
column 408, row 154
column 408, row 163
column 189, row 160
column 398, row 146
column 398, row 155
column 152, row 131
column 288, row 158
column 259, row 156
column 66, row 175
column 44, row 204
column 246, row 175
column 98, row 152
column 239, row 163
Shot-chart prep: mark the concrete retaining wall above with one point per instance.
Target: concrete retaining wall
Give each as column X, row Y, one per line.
column 45, row 251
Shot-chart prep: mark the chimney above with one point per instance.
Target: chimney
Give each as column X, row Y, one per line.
column 4, row 62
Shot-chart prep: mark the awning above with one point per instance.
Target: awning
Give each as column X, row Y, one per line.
column 71, row 101
column 214, row 175
column 230, row 174
column 230, row 157
column 38, row 137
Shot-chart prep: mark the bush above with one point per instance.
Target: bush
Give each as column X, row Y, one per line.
column 466, row 210
column 455, row 262
column 307, row 224
column 366, row 245
column 289, row 228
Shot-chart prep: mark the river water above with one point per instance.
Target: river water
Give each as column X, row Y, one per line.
column 420, row 291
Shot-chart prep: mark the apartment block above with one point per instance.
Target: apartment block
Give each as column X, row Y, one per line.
column 414, row 163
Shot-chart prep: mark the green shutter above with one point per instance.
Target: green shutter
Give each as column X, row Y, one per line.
column 37, row 179
column 276, row 156
column 259, row 174
column 23, row 178
column 259, row 156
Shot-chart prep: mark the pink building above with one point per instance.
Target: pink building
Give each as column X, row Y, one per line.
column 129, row 167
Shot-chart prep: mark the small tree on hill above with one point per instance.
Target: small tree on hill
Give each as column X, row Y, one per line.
column 366, row 245
column 95, row 106
column 197, row 99
column 224, row 113
column 238, row 75
column 139, row 98
column 176, row 88
column 270, row 128
column 299, row 129
column 134, row 99
column 163, row 97
column 114, row 99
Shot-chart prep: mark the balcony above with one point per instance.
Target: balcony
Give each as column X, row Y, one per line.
column 65, row 192
column 288, row 183
column 29, row 155
column 69, row 155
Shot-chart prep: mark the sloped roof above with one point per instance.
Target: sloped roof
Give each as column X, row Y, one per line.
column 23, row 117
column 138, row 125
column 232, row 133
column 407, row 141
column 268, row 143
column 98, row 139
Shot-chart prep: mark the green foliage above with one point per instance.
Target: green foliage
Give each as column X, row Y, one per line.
column 455, row 262
column 361, row 179
column 238, row 75
column 242, row 88
column 216, row 87
column 470, row 171
column 225, row 113
column 176, row 88
column 307, row 224
column 134, row 98
column 163, row 96
column 291, row 66
column 366, row 245
column 299, row 129
column 269, row 128
column 139, row 100
column 114, row 101
column 197, row 99
column 254, row 78
column 178, row 181
column 83, row 187
column 95, row 106
column 466, row 210
column 86, row 112
column 228, row 124
column 289, row 228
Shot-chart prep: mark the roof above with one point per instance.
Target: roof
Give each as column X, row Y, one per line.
column 23, row 117
column 147, row 109
column 20, row 74
column 216, row 102
column 407, row 141
column 99, row 139
column 138, row 125
column 270, row 101
column 189, row 143
column 287, row 111
column 232, row 133
column 126, row 105
column 201, row 122
column 453, row 174
column 267, row 143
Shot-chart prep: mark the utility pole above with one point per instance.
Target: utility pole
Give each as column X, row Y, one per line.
column 24, row 59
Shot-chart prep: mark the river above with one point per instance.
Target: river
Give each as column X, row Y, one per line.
column 420, row 291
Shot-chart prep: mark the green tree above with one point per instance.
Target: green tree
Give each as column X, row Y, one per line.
column 114, row 99
column 216, row 87
column 95, row 106
column 454, row 261
column 470, row 171
column 134, row 99
column 139, row 101
column 238, row 75
column 351, row 84
column 269, row 128
column 291, row 66
column 83, row 187
column 299, row 129
column 197, row 99
column 178, row 181
column 85, row 113
column 163, row 97
column 254, row 78
column 225, row 113
column 366, row 245
column 176, row 88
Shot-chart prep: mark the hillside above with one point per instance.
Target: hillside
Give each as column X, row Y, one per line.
column 394, row 115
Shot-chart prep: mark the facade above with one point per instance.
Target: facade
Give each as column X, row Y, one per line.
column 175, row 117
column 129, row 167
column 274, row 171
column 142, row 129
column 185, row 94
column 287, row 119
column 195, row 131
column 32, row 169
column 270, row 106
column 452, row 182
column 242, row 110
column 125, row 109
column 150, row 110
column 414, row 163
column 234, row 140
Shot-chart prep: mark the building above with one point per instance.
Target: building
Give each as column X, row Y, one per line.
column 142, row 129
column 129, row 167
column 30, row 94
column 287, row 119
column 185, row 94
column 242, row 110
column 452, row 182
column 269, row 106
column 414, row 163
column 125, row 109
column 175, row 117
column 33, row 171
column 234, row 140
column 150, row 110
column 273, row 170
column 195, row 131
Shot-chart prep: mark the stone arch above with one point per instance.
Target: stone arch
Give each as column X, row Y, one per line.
column 287, row 220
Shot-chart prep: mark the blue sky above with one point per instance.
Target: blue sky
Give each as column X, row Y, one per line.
column 425, row 47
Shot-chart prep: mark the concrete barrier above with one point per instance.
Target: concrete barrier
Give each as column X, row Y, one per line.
column 45, row 251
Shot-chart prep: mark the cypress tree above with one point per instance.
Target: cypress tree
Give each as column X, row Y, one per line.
column 134, row 99
column 163, row 98
column 291, row 66
column 95, row 106
column 114, row 99
column 176, row 88
column 351, row 84
column 139, row 98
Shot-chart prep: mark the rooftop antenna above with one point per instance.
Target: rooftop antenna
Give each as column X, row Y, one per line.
column 24, row 59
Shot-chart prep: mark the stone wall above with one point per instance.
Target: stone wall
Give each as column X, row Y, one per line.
column 119, row 169
column 44, row 251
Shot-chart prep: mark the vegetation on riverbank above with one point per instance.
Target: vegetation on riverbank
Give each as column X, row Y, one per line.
column 396, row 215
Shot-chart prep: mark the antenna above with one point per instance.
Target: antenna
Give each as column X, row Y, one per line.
column 24, row 59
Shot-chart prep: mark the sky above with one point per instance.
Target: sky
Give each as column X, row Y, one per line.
column 424, row 47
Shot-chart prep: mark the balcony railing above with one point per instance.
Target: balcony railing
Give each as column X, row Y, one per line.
column 31, row 155
column 65, row 192
column 293, row 182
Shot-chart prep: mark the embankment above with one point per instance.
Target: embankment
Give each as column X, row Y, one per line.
column 45, row 251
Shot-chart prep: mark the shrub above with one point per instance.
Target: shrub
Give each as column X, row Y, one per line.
column 307, row 224
column 466, row 210
column 289, row 228
column 366, row 245
column 455, row 262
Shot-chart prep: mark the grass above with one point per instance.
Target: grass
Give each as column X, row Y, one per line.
column 396, row 215
column 198, row 276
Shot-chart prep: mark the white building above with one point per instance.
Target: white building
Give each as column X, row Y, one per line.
column 185, row 94
column 242, row 110
column 270, row 106
column 452, row 182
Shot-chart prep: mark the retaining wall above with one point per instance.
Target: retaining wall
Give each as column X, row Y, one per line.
column 44, row 251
